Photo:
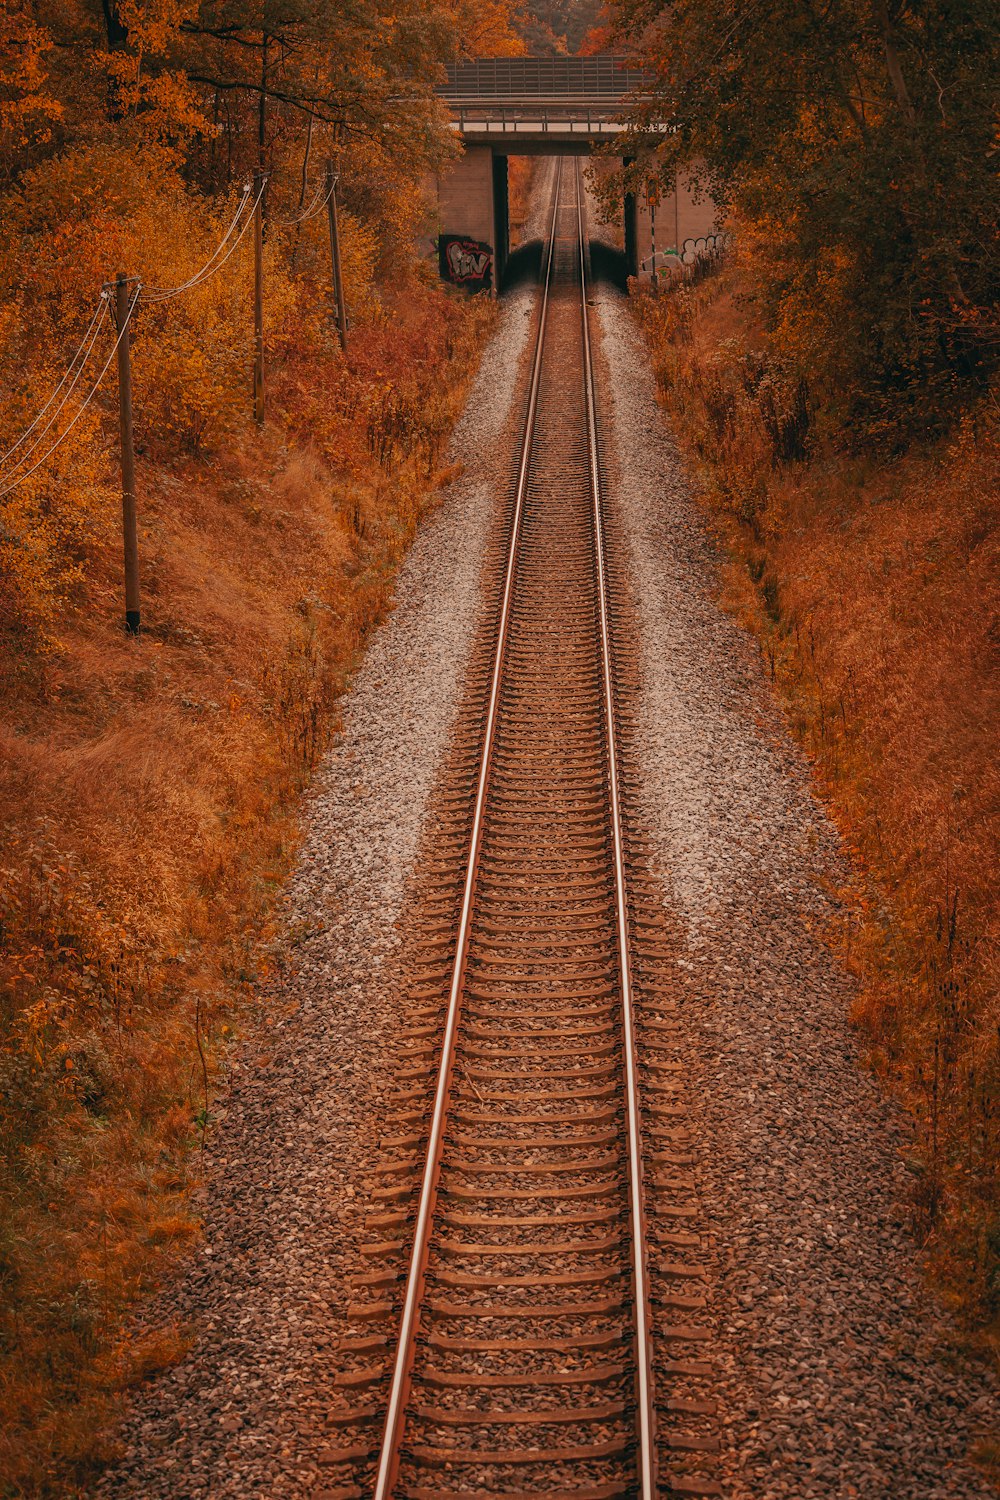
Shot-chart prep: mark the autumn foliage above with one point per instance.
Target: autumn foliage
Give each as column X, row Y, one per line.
column 854, row 145
column 837, row 387
column 147, row 786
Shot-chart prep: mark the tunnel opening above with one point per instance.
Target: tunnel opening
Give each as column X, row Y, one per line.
column 523, row 215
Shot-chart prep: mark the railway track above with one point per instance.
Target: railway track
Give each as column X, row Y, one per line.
column 534, row 1321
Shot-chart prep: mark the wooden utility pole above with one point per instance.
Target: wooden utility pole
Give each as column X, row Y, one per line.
column 259, row 180
column 338, row 279
column 129, row 531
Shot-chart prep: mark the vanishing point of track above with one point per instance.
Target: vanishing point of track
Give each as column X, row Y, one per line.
column 539, row 1289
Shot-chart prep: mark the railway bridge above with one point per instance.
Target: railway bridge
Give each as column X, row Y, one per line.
column 542, row 106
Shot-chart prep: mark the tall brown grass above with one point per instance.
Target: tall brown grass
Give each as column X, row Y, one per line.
column 873, row 585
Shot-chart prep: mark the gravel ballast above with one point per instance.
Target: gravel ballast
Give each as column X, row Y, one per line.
column 831, row 1386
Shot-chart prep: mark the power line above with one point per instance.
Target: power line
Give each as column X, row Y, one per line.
column 74, row 371
column 77, row 365
column 306, row 213
column 70, row 389
column 86, row 344
column 86, row 401
column 213, row 264
column 315, row 207
column 152, row 295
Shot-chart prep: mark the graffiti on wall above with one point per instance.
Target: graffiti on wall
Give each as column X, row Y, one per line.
column 466, row 262
column 696, row 259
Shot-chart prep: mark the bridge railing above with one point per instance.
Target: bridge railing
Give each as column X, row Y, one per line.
column 534, row 118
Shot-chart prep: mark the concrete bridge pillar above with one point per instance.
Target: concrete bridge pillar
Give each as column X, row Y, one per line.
column 664, row 221
column 501, row 219
column 473, row 234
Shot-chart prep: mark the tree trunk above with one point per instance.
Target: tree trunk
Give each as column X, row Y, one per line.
column 117, row 31
column 262, row 104
column 893, row 64
column 117, row 34
column 305, row 164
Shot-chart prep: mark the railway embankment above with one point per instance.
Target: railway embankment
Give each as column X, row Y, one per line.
column 870, row 576
column 149, row 793
column 840, row 1370
column 267, row 1292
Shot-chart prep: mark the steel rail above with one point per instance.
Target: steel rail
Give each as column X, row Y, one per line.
column 388, row 1461
column 645, row 1411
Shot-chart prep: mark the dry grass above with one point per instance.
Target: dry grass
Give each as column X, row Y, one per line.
column 873, row 586
column 147, row 807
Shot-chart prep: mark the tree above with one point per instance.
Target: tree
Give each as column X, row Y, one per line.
column 28, row 108
column 854, row 142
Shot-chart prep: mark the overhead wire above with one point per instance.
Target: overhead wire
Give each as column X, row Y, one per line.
column 155, row 294
column 73, row 374
column 84, row 404
column 208, row 274
column 85, row 347
column 163, row 294
column 314, row 208
column 306, row 213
